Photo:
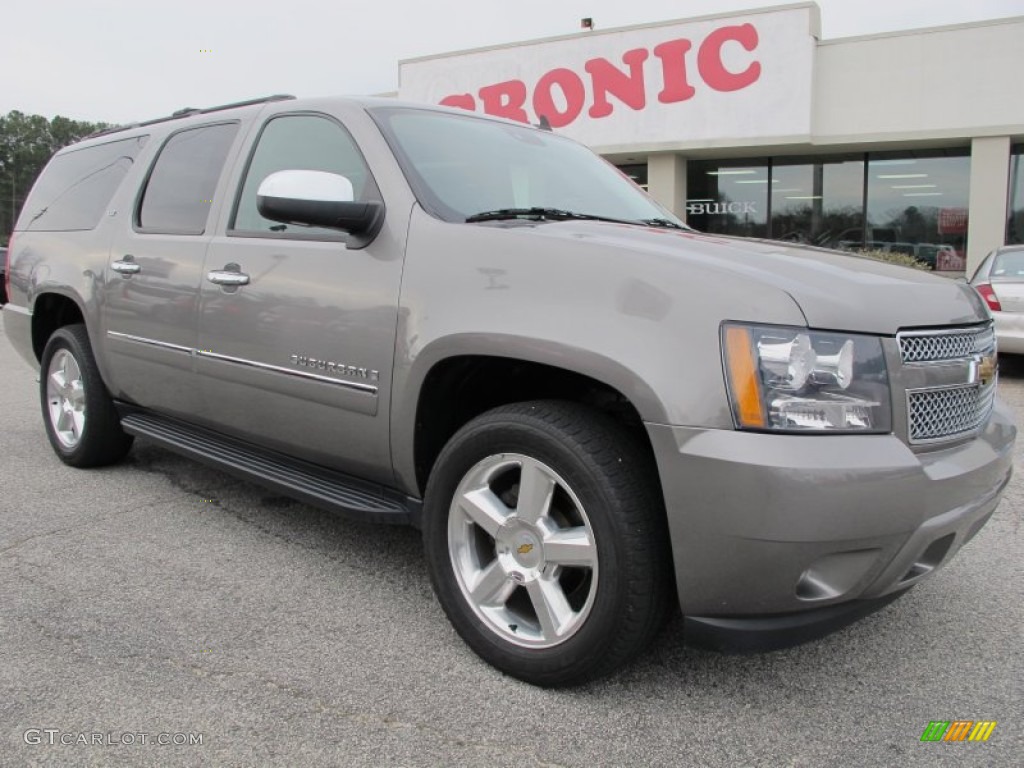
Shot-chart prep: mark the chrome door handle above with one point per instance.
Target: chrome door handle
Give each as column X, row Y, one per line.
column 224, row 277
column 126, row 266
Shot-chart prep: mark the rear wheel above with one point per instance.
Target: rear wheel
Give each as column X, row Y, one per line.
column 81, row 422
column 543, row 528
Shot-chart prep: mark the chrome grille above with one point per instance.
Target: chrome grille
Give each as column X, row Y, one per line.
column 955, row 345
column 946, row 410
column 938, row 414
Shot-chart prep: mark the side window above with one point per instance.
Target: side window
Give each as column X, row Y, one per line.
column 75, row 187
column 302, row 143
column 181, row 185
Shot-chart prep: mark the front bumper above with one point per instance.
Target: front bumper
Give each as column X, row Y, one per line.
column 767, row 525
column 750, row 634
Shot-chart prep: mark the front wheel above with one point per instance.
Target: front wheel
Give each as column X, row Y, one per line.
column 544, row 535
column 81, row 422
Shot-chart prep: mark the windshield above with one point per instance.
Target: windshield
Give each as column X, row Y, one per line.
column 461, row 166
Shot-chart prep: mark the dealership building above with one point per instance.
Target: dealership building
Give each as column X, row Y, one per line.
column 750, row 124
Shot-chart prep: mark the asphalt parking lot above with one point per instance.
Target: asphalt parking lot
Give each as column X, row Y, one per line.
column 160, row 597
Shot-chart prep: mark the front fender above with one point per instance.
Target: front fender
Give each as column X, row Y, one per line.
column 586, row 362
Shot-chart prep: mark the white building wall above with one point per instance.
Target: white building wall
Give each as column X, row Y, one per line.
column 955, row 82
column 944, row 87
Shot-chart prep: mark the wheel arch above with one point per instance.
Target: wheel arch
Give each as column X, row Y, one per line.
column 51, row 311
column 458, row 382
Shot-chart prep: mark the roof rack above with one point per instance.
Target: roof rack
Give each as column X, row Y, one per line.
column 189, row 111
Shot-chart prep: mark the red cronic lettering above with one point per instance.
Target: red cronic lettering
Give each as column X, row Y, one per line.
column 460, row 100
column 709, row 58
column 609, row 79
column 573, row 91
column 505, row 100
column 673, row 71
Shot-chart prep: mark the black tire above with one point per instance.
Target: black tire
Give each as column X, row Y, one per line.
column 611, row 475
column 99, row 440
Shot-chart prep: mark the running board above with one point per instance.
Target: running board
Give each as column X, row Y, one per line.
column 325, row 488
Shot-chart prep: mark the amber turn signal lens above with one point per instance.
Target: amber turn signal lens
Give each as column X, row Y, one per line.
column 746, row 393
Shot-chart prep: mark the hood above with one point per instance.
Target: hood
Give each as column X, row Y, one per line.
column 834, row 290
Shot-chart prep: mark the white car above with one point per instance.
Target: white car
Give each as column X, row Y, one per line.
column 1000, row 281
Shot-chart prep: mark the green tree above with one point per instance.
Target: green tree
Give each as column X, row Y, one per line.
column 26, row 143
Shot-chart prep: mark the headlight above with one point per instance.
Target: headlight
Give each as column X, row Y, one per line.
column 796, row 380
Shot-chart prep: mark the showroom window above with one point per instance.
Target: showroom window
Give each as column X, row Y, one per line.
column 1015, row 219
column 913, row 203
column 818, row 201
column 917, row 204
column 637, row 172
column 728, row 198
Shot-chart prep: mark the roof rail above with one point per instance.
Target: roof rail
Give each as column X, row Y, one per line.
column 189, row 111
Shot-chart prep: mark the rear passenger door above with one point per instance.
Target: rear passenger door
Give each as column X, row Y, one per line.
column 299, row 357
column 155, row 269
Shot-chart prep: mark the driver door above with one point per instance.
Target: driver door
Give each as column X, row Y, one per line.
column 295, row 353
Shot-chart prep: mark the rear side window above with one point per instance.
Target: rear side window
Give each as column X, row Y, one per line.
column 75, row 187
column 180, row 187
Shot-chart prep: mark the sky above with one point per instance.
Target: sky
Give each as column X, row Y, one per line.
column 124, row 60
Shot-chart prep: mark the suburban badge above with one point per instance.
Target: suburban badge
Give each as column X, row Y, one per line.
column 340, row 369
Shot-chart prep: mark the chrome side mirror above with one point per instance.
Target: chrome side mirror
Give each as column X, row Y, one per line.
column 318, row 199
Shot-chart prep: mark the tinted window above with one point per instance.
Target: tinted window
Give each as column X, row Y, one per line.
column 75, row 187
column 180, row 188
column 303, row 143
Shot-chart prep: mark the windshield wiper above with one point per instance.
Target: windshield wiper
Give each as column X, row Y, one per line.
column 553, row 214
column 666, row 223
column 560, row 214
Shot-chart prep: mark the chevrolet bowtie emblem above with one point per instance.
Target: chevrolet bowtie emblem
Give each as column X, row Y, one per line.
column 524, row 549
column 987, row 369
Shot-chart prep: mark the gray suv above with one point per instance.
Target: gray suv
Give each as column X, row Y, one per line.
column 417, row 315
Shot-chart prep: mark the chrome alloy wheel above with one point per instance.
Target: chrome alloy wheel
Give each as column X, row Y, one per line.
column 523, row 550
column 65, row 397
